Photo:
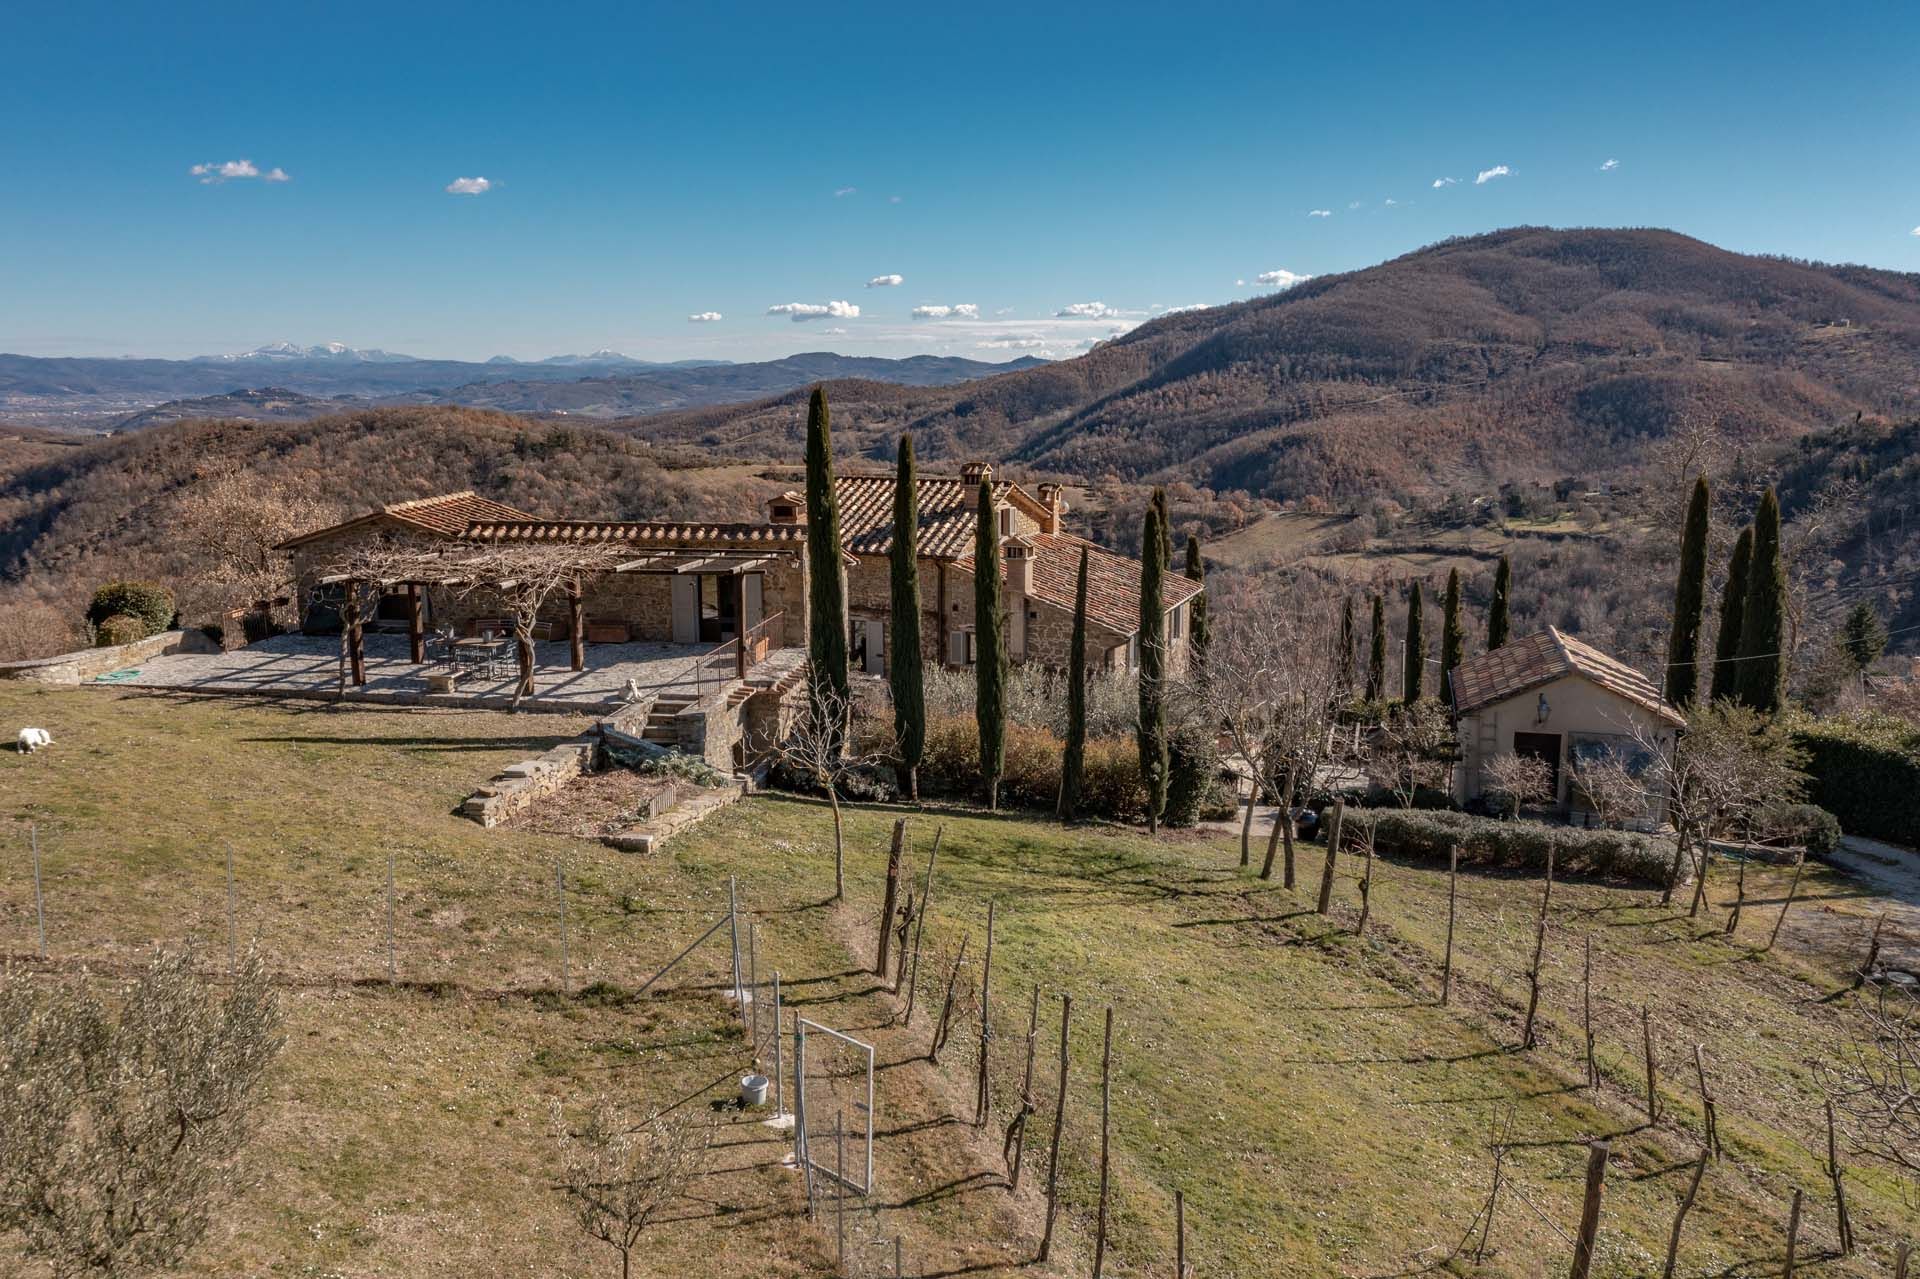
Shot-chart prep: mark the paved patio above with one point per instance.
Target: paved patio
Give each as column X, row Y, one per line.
column 309, row 667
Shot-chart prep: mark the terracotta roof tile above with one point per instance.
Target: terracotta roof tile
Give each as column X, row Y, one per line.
column 1113, row 581
column 639, row 532
column 1536, row 660
column 947, row 513
column 447, row 515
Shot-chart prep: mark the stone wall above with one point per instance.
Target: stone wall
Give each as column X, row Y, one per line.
column 85, row 664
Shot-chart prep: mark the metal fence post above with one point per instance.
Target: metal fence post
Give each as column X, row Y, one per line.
column 560, row 885
column 393, row 964
column 779, row 1085
column 733, row 929
column 233, row 925
column 39, row 899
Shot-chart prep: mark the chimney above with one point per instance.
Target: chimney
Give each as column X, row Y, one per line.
column 1053, row 497
column 974, row 474
column 1017, row 552
column 788, row 508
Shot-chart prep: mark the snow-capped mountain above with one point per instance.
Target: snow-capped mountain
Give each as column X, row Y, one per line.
column 336, row 351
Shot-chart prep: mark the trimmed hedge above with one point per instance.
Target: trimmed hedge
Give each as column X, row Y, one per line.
column 119, row 629
column 151, row 604
column 1865, row 770
column 1617, row 854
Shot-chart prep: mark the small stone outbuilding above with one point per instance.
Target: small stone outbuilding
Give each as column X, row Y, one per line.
column 1554, row 697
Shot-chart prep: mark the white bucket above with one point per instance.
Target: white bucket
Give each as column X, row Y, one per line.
column 753, row 1090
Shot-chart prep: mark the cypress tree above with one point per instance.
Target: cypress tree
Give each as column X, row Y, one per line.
column 1377, row 652
column 1346, row 646
column 1073, row 762
column 1202, row 636
column 1453, row 642
column 1499, row 629
column 1689, row 600
column 990, row 644
column 1733, row 606
column 827, row 579
column 1415, row 679
column 904, row 667
column 1762, row 678
column 1155, row 557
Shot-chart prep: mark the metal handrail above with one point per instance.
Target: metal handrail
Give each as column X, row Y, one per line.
column 755, row 644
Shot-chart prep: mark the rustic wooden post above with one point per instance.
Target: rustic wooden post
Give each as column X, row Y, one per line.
column 1179, row 1235
column 1900, row 1255
column 1527, row 1037
column 416, row 626
column 1586, row 1011
column 1710, row 1120
column 1873, row 951
column 1366, row 888
column 1590, row 1209
column 1793, row 1236
column 1680, row 1217
column 1739, row 898
column 946, row 1008
column 906, row 917
column 1646, row 1045
column 1017, row 1130
column 1059, row 1126
column 560, row 902
column 840, row 1184
column 1333, row 856
column 1493, row 1202
column 233, row 917
column 393, row 965
column 1453, row 895
column 577, row 624
column 1106, row 1114
column 1793, row 888
column 981, row 1094
column 892, row 899
column 1839, row 1187
column 356, row 634
column 920, row 928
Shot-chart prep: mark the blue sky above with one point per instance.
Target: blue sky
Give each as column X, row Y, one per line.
column 645, row 164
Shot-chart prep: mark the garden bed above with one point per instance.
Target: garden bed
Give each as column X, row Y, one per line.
column 596, row 805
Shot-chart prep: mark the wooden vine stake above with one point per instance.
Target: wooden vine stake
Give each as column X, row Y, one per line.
column 1453, row 894
column 1900, row 1255
column 1059, row 1126
column 1873, row 951
column 1793, row 1235
column 920, row 928
column 1528, row 1037
column 1179, row 1235
column 1586, row 1011
column 1793, row 889
column 1106, row 1115
column 1710, row 1120
column 946, row 1007
column 1014, row 1149
column 1590, row 1209
column 1839, row 1187
column 1333, row 856
column 1680, row 1217
column 1646, row 1047
column 982, row 1098
column 1366, row 887
column 1739, row 898
column 892, row 900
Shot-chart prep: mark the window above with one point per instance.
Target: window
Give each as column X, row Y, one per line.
column 1177, row 622
column 1133, row 653
column 1006, row 521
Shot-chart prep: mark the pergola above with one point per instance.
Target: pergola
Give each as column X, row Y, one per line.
column 719, row 563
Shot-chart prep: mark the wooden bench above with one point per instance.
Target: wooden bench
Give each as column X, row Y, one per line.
column 608, row 632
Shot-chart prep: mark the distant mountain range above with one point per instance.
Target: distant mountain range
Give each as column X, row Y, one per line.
column 285, row 380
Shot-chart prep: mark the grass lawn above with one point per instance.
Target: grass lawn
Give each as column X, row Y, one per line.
column 1321, row 1112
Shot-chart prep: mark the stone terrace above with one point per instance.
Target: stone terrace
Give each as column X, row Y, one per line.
column 308, row 667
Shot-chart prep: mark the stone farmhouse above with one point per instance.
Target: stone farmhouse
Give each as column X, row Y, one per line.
column 1560, row 700
column 718, row 583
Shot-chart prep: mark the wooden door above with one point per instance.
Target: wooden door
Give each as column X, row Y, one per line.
column 752, row 600
column 686, row 608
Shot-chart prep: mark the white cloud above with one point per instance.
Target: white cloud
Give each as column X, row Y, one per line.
column 1354, row 204
column 1487, row 175
column 886, row 281
column 469, row 186
column 840, row 191
column 1281, row 278
column 1390, row 202
column 1319, row 213
column 1445, row 182
column 893, row 199
column 1239, row 284
column 1086, row 311
column 1014, row 344
column 835, row 332
column 958, row 311
column 703, row 317
column 214, row 174
column 1191, row 306
column 1609, row 166
column 799, row 312
column 1916, row 230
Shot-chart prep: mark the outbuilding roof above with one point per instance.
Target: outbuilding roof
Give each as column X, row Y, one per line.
column 948, row 511
column 447, row 515
column 1534, row 661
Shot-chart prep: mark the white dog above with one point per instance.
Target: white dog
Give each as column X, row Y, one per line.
column 32, row 739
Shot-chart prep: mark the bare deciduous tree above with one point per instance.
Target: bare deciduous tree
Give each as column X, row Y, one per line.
column 820, row 749
column 1411, row 749
column 521, row 577
column 1610, row 787
column 122, row 1118
column 1274, row 687
column 1872, row 1079
column 1515, row 781
column 236, row 519
column 619, row 1177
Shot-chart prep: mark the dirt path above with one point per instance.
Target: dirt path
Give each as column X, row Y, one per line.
column 1893, row 874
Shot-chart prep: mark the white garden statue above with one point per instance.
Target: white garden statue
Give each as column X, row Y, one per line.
column 32, row 739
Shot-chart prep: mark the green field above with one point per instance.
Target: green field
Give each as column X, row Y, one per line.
column 1303, row 1088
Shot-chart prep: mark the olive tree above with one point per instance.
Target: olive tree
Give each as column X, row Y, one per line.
column 620, row 1177
column 124, row 1113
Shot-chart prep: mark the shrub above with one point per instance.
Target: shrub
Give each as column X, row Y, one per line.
column 1193, row 772
column 951, row 766
column 1865, row 770
column 152, row 605
column 1489, row 841
column 1808, row 825
column 119, row 629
